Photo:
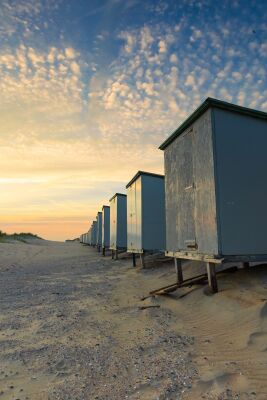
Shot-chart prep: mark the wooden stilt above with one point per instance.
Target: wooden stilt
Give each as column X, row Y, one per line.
column 112, row 254
column 134, row 260
column 212, row 277
column 179, row 270
column 245, row 264
column 116, row 254
column 103, row 251
column 142, row 260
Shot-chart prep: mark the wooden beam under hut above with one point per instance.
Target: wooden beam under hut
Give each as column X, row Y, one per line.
column 195, row 280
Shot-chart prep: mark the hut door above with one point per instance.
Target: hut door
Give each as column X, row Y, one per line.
column 131, row 226
column 186, row 188
column 138, row 215
column 113, row 225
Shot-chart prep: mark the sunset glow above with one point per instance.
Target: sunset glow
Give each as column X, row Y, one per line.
column 89, row 90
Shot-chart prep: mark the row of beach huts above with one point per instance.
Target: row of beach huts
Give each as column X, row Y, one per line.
column 211, row 203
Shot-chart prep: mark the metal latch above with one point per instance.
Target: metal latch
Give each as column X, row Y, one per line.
column 191, row 244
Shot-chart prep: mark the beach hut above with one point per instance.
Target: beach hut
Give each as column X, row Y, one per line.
column 94, row 233
column 215, row 174
column 105, row 228
column 145, row 214
column 89, row 237
column 99, row 230
column 118, row 224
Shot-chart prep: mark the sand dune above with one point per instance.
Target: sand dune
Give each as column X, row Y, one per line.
column 230, row 330
column 72, row 327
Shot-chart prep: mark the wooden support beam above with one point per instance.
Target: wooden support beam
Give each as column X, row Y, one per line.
column 198, row 279
column 116, row 254
column 134, row 260
column 211, row 270
column 142, row 260
column 178, row 270
column 103, row 251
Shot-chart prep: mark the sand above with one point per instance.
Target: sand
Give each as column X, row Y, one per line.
column 72, row 327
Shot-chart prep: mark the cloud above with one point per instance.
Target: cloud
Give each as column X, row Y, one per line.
column 130, row 41
column 146, row 38
column 237, row 75
column 196, row 34
column 225, row 95
column 144, row 97
column 75, row 68
column 51, row 55
column 174, row 58
column 34, row 57
column 70, row 53
column 162, row 46
column 22, row 18
column 190, row 80
column 43, row 93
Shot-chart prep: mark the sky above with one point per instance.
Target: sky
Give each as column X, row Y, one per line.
column 90, row 89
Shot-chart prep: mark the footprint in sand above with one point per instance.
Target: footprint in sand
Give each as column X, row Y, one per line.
column 259, row 339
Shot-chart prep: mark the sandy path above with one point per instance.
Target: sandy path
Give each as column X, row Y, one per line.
column 71, row 328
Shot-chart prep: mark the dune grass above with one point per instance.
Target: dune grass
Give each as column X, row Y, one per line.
column 22, row 236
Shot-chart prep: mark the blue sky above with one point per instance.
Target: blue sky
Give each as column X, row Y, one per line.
column 90, row 89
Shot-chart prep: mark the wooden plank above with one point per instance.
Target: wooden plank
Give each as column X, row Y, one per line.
column 216, row 259
column 150, row 306
column 198, row 279
column 194, row 256
column 186, row 282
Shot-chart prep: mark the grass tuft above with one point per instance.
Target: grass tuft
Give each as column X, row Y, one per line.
column 21, row 237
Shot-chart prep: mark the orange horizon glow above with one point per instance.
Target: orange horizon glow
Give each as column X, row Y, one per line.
column 48, row 231
column 61, row 206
